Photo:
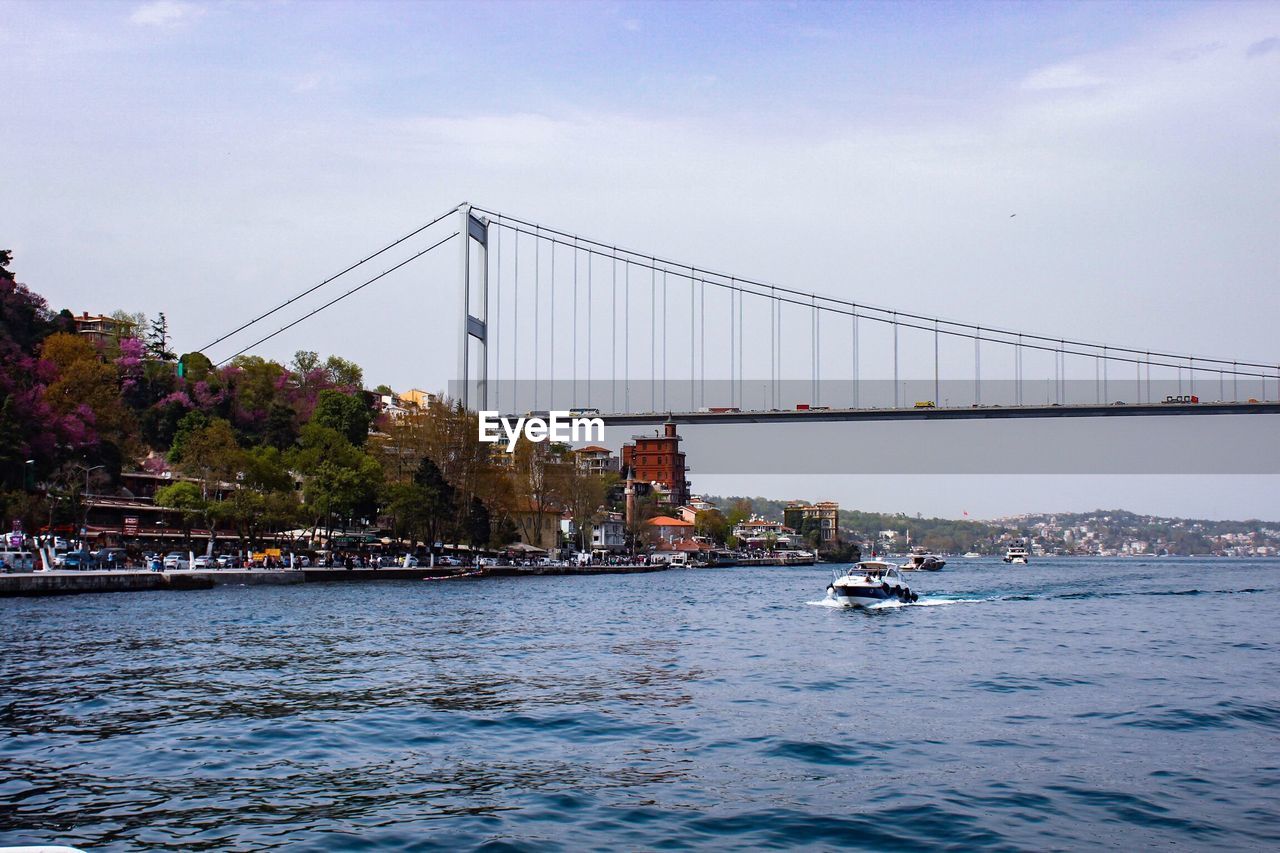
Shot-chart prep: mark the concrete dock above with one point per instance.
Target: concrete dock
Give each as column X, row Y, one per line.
column 138, row 580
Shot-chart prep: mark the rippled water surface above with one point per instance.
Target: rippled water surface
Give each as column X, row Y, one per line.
column 1066, row 704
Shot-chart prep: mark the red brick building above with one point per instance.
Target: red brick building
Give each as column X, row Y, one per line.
column 658, row 459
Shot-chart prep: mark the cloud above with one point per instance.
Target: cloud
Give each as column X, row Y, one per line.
column 166, row 14
column 1057, row 77
column 1262, row 48
column 631, row 25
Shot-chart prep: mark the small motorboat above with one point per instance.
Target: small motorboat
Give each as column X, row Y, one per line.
column 971, row 555
column 870, row 584
column 919, row 561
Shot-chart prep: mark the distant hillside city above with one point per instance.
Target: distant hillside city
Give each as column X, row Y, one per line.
column 1101, row 533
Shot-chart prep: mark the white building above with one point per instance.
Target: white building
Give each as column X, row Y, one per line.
column 609, row 534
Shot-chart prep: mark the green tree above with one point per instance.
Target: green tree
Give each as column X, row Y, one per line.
column 196, row 366
column 344, row 373
column 712, row 524
column 282, row 427
column 345, row 413
column 740, row 511
column 185, row 497
column 478, row 528
column 338, row 479
column 189, row 424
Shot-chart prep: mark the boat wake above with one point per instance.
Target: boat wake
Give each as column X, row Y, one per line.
column 925, row 601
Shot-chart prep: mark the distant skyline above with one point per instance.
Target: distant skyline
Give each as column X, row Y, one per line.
column 209, row 159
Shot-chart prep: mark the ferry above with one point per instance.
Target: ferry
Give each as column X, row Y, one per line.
column 868, row 585
column 1017, row 554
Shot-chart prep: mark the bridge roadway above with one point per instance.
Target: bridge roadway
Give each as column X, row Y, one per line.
column 941, row 413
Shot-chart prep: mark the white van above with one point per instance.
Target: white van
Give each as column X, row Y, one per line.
column 18, row 561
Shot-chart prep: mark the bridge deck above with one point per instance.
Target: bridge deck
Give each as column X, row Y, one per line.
column 943, row 413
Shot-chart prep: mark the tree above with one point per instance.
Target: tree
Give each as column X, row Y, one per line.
column 281, row 430
column 212, row 455
column 158, row 339
column 338, row 479
column 343, row 373
column 584, row 495
column 712, row 524
column 184, row 497
column 196, row 366
column 305, row 361
column 741, row 511
column 540, row 471
column 137, row 320
column 342, row 412
column 477, row 528
column 438, row 497
column 189, row 423
column 87, row 389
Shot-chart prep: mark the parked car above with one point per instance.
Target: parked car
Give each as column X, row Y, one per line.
column 204, row 562
column 111, row 558
column 79, row 561
column 176, row 560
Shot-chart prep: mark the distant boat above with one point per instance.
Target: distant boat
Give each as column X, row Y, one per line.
column 970, row 555
column 1017, row 554
column 919, row 561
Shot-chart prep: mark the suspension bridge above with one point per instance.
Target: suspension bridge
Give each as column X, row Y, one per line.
column 554, row 320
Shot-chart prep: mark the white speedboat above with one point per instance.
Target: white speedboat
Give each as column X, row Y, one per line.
column 919, row 561
column 869, row 584
column 1016, row 555
column 971, row 555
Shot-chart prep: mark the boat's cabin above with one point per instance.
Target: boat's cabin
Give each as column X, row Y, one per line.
column 875, row 570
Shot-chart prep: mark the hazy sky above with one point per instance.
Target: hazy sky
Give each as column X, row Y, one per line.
column 209, row 159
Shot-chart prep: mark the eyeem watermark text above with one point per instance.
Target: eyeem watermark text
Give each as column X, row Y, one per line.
column 556, row 426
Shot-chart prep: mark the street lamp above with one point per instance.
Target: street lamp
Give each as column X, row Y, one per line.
column 84, row 498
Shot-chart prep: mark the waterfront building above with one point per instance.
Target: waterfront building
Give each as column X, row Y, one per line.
column 667, row 529
column 609, row 534
column 758, row 533
column 537, row 526
column 658, row 460
column 826, row 513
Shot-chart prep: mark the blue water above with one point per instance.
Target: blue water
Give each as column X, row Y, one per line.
column 1068, row 704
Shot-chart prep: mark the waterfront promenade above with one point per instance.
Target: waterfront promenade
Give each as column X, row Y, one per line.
column 137, row 580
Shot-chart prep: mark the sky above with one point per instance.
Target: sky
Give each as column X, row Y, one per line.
column 1104, row 171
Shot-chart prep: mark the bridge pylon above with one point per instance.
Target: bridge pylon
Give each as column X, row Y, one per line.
column 475, row 230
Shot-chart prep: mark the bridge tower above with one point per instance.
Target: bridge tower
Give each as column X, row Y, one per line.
column 475, row 234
